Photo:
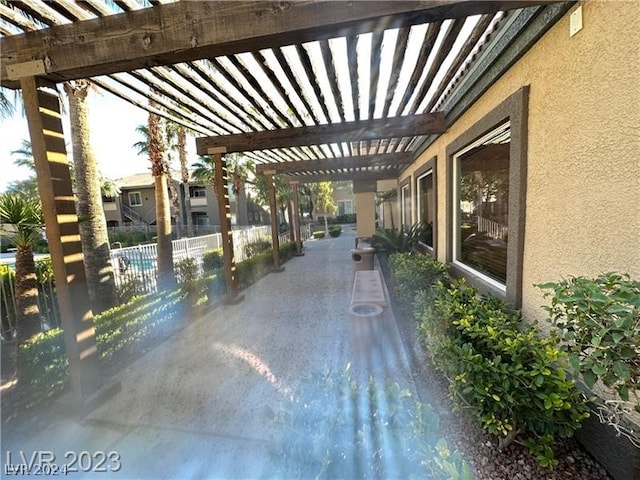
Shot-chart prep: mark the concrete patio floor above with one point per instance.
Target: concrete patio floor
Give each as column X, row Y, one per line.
column 197, row 405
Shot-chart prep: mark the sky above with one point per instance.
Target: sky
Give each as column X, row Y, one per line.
column 112, row 124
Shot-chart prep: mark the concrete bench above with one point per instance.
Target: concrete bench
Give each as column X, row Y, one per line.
column 368, row 288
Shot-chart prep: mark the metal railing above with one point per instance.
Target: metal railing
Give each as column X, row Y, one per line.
column 491, row 228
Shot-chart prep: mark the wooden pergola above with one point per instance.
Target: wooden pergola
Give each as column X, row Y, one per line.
column 316, row 90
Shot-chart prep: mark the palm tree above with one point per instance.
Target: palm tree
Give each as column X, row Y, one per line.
column 181, row 146
column 142, row 147
column 239, row 169
column 6, row 107
column 25, row 156
column 23, row 225
column 159, row 170
column 93, row 225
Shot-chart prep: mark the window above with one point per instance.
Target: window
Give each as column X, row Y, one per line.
column 200, row 219
column 135, row 199
column 345, row 207
column 486, row 201
column 481, row 219
column 405, row 205
column 195, row 191
column 426, row 201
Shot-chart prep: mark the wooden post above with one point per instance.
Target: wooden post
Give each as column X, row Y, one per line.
column 296, row 217
column 271, row 186
column 224, row 209
column 63, row 235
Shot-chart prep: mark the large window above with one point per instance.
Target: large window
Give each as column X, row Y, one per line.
column 426, row 207
column 481, row 224
column 135, row 199
column 487, row 176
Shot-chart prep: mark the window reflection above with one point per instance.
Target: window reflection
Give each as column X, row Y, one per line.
column 483, row 193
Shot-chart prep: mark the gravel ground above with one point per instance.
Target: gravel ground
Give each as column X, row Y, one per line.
column 479, row 448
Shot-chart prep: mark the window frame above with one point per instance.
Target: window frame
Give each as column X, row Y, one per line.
column 139, row 194
column 406, row 184
column 429, row 168
column 513, row 109
column 455, row 238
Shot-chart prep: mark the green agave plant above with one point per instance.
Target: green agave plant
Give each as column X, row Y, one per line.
column 402, row 241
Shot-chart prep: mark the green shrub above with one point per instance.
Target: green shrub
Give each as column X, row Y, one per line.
column 7, row 310
column 344, row 218
column 44, row 270
column 599, row 322
column 130, row 287
column 335, row 230
column 287, row 250
column 186, row 274
column 252, row 268
column 136, row 319
column 319, row 234
column 258, row 246
column 212, row 260
column 336, row 427
column 43, row 360
column 514, row 382
column 412, row 273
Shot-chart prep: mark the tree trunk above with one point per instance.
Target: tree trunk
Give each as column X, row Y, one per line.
column 93, row 225
column 184, row 169
column 166, row 277
column 28, row 321
column 26, row 291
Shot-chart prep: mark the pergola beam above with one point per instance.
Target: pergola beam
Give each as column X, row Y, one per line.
column 187, row 31
column 407, row 126
column 399, row 158
column 337, row 177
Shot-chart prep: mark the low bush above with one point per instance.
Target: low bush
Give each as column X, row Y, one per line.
column 43, row 360
column 319, row 234
column 212, row 260
column 258, row 246
column 7, row 310
column 513, row 382
column 251, row 269
column 598, row 321
column 335, row 230
column 186, row 274
column 412, row 273
column 344, row 218
column 336, row 427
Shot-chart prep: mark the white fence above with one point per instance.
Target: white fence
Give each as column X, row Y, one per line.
column 493, row 229
column 139, row 263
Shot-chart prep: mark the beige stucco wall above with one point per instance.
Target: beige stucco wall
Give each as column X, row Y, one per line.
column 583, row 180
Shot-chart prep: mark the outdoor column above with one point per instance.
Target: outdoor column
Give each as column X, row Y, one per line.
column 365, row 191
column 224, row 209
column 271, row 187
column 296, row 217
column 63, row 235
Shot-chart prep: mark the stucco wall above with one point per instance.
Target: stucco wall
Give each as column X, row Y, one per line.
column 583, row 180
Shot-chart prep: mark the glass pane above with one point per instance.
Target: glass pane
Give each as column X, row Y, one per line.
column 483, row 186
column 406, row 207
column 426, row 206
